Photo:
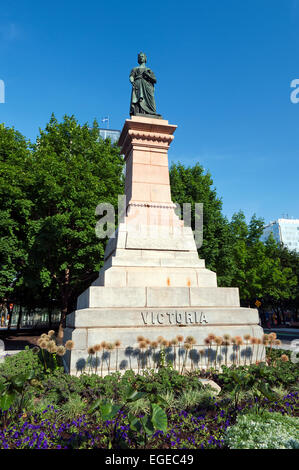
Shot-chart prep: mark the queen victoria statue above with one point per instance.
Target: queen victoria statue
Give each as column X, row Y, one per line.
column 142, row 98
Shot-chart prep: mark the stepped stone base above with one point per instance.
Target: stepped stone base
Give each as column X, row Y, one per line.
column 153, row 282
column 91, row 326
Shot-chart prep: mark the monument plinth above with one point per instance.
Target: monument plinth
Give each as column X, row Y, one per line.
column 152, row 283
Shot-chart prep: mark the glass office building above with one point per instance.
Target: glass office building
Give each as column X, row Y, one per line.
column 284, row 231
column 112, row 134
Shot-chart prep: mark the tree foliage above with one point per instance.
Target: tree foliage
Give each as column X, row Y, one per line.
column 71, row 171
column 49, row 252
column 264, row 271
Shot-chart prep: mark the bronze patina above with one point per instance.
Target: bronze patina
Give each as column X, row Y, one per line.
column 142, row 98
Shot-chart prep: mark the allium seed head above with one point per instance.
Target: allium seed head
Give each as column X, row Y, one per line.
column 190, row 340
column 91, row 350
column 61, row 350
column 97, row 347
column 180, row 338
column 52, row 349
column 69, row 344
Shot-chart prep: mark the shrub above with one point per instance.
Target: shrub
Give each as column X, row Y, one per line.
column 265, row 431
column 21, row 363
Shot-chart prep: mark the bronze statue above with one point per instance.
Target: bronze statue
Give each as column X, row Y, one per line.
column 142, row 97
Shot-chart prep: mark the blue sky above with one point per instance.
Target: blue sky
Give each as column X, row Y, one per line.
column 224, row 69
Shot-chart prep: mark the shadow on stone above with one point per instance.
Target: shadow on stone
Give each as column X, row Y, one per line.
column 123, row 364
column 80, row 365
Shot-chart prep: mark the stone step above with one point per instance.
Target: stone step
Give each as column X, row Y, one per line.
column 147, row 317
column 128, row 355
column 98, row 296
column 158, row 276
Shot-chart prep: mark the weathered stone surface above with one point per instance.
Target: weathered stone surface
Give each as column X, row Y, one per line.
column 129, row 354
column 153, row 282
column 214, row 296
column 146, row 317
column 98, row 296
column 168, row 297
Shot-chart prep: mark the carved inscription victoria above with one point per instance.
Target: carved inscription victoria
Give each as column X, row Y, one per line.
column 174, row 318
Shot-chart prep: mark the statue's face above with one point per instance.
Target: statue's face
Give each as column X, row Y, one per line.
column 141, row 58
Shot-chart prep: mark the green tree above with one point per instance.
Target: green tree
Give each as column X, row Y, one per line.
column 280, row 278
column 73, row 171
column 15, row 207
column 192, row 185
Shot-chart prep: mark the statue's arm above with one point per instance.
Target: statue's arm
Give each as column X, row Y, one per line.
column 132, row 76
column 150, row 76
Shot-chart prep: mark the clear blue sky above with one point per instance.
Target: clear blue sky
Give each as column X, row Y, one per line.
column 224, row 69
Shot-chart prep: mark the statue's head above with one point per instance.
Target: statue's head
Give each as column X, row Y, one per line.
column 141, row 58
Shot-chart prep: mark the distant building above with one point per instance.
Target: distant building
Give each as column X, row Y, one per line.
column 284, row 231
column 112, row 134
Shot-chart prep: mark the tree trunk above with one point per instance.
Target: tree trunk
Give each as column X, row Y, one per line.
column 61, row 325
column 19, row 319
column 10, row 315
column 64, row 310
column 50, row 317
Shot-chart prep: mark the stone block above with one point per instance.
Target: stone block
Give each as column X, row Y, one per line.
column 206, row 278
column 78, row 335
column 168, row 297
column 160, row 193
column 150, row 174
column 98, row 296
column 161, row 277
column 145, row 317
column 214, row 296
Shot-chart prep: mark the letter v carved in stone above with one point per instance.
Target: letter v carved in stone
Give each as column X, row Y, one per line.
column 144, row 317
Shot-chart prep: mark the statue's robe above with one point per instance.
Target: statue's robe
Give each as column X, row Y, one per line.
column 142, row 97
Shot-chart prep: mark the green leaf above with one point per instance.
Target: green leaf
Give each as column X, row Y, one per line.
column 135, row 423
column 159, row 418
column 135, row 395
column 95, row 405
column 147, row 424
column 108, row 410
column 7, row 400
column 267, row 392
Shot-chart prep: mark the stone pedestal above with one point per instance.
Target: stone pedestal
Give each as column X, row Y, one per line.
column 152, row 282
